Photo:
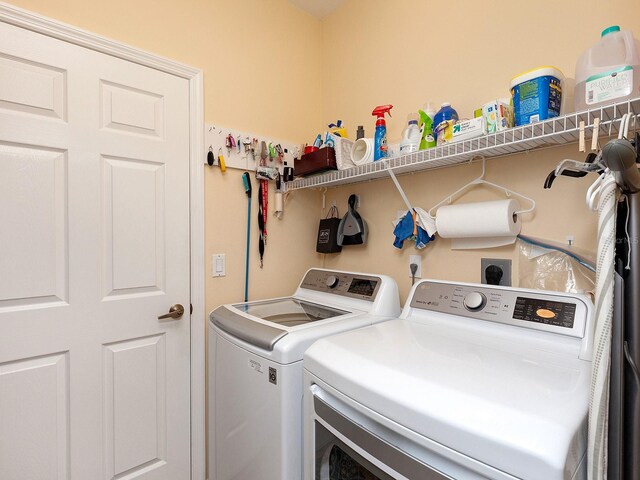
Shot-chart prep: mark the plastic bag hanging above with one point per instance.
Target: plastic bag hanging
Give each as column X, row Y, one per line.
column 327, row 241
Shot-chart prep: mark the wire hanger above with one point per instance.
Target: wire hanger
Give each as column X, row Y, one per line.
column 481, row 181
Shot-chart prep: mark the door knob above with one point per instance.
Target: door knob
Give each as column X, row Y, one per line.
column 174, row 312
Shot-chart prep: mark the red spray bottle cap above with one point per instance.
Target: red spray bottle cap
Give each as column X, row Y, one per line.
column 379, row 112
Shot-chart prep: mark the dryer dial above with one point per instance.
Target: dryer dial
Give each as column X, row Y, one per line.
column 474, row 301
column 332, row 281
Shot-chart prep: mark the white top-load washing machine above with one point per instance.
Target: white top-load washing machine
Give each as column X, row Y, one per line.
column 255, row 368
column 472, row 381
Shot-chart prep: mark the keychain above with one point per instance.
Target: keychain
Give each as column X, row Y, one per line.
column 223, row 166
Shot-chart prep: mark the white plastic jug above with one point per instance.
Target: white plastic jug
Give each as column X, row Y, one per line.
column 411, row 135
column 609, row 71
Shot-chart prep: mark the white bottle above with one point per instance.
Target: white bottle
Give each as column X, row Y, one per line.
column 411, row 135
column 609, row 71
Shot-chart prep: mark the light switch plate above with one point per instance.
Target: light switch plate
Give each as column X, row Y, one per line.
column 218, row 265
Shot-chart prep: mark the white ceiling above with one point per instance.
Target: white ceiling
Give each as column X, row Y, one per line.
column 317, row 8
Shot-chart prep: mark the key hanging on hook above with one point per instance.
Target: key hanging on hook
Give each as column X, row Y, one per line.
column 223, row 165
column 230, row 143
column 247, row 145
column 280, row 153
column 272, row 152
column 254, row 148
column 210, row 157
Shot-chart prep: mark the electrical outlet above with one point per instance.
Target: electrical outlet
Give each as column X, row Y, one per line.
column 503, row 264
column 417, row 259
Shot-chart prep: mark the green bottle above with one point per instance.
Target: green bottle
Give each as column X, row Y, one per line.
column 426, row 125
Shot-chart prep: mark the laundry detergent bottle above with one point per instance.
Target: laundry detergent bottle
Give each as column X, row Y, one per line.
column 380, row 148
column 443, row 122
column 410, row 135
column 609, row 71
column 426, row 124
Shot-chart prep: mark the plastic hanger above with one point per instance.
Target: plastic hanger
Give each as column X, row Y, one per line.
column 481, row 181
column 402, row 194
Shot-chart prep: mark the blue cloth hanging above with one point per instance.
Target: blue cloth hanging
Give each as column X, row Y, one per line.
column 408, row 229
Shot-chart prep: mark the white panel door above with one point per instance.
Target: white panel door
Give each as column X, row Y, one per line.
column 94, row 246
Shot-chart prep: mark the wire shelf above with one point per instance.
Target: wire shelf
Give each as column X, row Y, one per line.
column 552, row 132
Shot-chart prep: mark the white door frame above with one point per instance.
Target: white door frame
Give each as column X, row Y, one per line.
column 43, row 25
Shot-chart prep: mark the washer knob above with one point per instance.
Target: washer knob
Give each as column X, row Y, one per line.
column 332, row 281
column 474, row 301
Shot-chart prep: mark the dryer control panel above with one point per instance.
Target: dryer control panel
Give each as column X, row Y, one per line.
column 540, row 310
column 362, row 287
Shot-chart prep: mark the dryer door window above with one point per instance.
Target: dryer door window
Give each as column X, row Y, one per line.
column 336, row 457
column 337, row 461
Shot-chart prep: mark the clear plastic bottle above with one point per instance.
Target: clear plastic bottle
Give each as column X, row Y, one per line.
column 411, row 135
column 609, row 71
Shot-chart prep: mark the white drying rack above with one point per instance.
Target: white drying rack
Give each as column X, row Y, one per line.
column 479, row 181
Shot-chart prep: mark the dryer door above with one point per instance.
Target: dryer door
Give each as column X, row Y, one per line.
column 336, row 460
column 345, row 450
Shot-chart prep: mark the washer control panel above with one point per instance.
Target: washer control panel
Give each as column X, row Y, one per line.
column 363, row 287
column 540, row 310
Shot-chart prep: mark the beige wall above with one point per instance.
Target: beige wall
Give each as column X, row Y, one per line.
column 464, row 52
column 273, row 70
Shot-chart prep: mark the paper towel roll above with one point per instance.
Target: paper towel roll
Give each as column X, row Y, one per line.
column 479, row 225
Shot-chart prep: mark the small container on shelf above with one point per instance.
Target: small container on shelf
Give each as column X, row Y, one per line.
column 318, row 161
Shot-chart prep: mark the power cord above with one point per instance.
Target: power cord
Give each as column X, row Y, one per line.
column 413, row 268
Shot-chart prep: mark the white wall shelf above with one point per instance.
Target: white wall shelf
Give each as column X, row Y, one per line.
column 553, row 132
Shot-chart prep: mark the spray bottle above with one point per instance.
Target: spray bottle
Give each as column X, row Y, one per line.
column 380, row 139
column 426, row 124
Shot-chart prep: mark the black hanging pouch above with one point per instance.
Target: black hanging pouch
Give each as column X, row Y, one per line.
column 328, row 233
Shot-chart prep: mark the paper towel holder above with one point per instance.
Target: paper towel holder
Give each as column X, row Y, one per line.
column 481, row 181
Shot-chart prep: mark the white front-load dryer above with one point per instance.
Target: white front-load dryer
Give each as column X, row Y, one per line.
column 255, row 382
column 472, row 382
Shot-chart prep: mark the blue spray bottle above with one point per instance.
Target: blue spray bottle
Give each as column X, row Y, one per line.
column 380, row 139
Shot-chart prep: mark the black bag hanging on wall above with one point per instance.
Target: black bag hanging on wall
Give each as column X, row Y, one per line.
column 328, row 233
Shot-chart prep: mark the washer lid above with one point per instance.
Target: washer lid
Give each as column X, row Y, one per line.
column 500, row 397
column 289, row 312
column 277, row 315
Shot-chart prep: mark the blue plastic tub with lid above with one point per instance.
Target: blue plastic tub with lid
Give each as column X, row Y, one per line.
column 537, row 95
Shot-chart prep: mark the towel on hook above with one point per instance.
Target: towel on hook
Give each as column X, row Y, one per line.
column 415, row 225
column 425, row 221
